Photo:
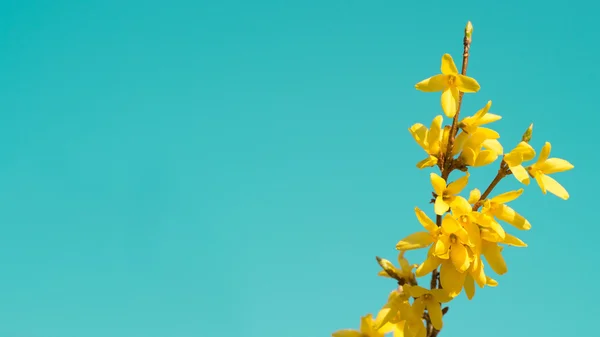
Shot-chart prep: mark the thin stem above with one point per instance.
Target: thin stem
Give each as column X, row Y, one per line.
column 503, row 171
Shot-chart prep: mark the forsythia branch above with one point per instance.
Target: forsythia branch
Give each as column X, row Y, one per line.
column 467, row 234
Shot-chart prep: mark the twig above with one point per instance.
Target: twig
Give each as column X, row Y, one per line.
column 503, row 171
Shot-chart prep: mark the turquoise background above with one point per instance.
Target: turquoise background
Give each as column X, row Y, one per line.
column 231, row 168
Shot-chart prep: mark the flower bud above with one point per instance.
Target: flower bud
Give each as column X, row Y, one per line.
column 468, row 30
column 387, row 266
column 527, row 135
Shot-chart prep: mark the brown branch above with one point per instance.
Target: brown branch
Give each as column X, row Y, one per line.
column 503, row 171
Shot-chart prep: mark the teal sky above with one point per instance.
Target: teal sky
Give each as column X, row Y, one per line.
column 231, row 168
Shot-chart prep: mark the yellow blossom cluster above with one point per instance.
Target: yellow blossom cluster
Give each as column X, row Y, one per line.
column 466, row 232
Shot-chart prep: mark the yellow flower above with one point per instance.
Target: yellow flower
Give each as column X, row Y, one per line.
column 451, row 244
column 430, row 300
column 472, row 123
column 366, row 329
column 493, row 255
column 398, row 316
column 515, row 158
column 431, row 262
column 409, row 328
column 450, row 82
column 396, row 309
column 420, row 239
column 496, row 207
column 468, row 219
column 405, row 270
column 446, row 194
column 474, row 196
column 545, row 166
column 479, row 148
column 429, row 140
column 450, row 278
column 475, row 274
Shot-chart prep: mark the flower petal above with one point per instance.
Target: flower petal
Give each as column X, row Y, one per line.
column 554, row 187
column 440, row 207
column 493, row 255
column 513, row 158
column 430, row 263
column 489, row 118
column 544, row 153
column 441, row 295
column 458, row 185
column 452, row 281
column 459, row 143
column 483, row 111
column 462, row 235
column 418, row 307
column 486, row 133
column 434, row 137
column 484, row 158
column 490, row 282
column 474, row 236
column 474, row 196
column 427, row 162
column 497, row 228
column 458, row 255
column 366, row 326
column 416, row 328
column 400, row 329
column 507, row 196
column 469, row 286
column 554, row 165
column 438, row 183
column 494, row 145
column 347, row 333
column 435, row 314
column 539, row 179
column 442, row 247
column 489, row 235
column 449, row 101
column 418, row 291
column 426, row 221
column 433, row 84
column 403, row 262
column 513, row 241
column 477, row 271
column 450, row 225
column 508, row 215
column 468, row 155
column 448, row 67
column 460, row 206
column 466, row 83
column 419, row 133
column 526, row 151
column 520, row 174
column 415, row 241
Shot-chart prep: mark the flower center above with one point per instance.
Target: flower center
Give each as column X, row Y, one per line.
column 446, row 196
column 464, row 219
column 451, row 80
column 453, row 238
column 427, row 297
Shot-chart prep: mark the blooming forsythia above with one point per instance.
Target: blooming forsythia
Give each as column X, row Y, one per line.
column 467, row 234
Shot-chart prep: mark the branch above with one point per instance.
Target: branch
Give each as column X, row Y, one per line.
column 503, row 171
